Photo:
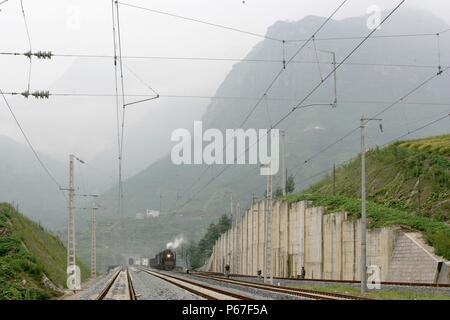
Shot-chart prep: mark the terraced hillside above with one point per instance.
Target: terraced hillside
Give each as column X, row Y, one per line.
column 408, row 184
column 408, row 175
column 32, row 261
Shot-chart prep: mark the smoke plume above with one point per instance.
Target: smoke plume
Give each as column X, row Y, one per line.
column 175, row 243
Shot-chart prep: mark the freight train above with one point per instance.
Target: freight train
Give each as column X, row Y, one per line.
column 165, row 260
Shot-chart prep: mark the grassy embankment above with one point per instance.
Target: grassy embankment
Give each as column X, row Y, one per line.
column 27, row 253
column 408, row 184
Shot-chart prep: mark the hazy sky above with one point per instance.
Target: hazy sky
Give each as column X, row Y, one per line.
column 84, row 27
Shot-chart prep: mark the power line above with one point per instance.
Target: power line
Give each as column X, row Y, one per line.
column 299, row 105
column 29, row 44
column 386, row 144
column 180, row 96
column 272, row 83
column 30, row 145
column 219, row 59
column 374, row 37
column 289, row 61
column 149, row 87
column 387, row 36
column 119, row 47
column 201, row 21
column 423, row 127
column 418, row 34
column 116, row 85
column 422, row 84
column 322, row 172
column 2, row 2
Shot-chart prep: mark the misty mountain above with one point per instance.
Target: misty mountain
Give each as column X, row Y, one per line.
column 148, row 127
column 379, row 73
column 147, row 139
column 24, row 182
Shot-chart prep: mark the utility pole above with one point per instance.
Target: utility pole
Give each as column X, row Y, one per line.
column 73, row 274
column 73, row 271
column 93, row 244
column 334, row 179
column 252, row 254
column 237, row 237
column 231, row 207
column 418, row 195
column 93, row 210
column 268, row 277
column 335, row 80
column 160, row 201
column 283, row 161
column 71, row 224
column 334, row 64
column 363, row 262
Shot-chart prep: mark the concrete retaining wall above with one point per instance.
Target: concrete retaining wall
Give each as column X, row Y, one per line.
column 325, row 244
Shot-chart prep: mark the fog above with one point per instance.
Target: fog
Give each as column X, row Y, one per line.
column 86, row 126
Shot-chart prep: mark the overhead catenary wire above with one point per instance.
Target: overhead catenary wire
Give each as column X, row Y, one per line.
column 417, row 34
column 394, row 140
column 117, row 107
column 386, row 144
column 204, row 97
column 122, row 132
column 317, row 59
column 290, row 61
column 299, row 104
column 149, row 87
column 386, row 36
column 422, row 127
column 219, row 59
column 438, row 40
column 156, row 95
column 272, row 83
column 29, row 44
column 118, row 47
column 400, row 100
column 30, row 145
column 328, row 170
column 215, row 25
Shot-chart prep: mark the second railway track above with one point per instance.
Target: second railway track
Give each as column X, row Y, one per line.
column 308, row 294
column 319, row 281
column 120, row 287
column 228, row 289
column 200, row 289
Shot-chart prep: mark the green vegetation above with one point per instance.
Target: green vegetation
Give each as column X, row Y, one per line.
column 412, row 176
column 27, row 253
column 198, row 253
column 384, row 294
column 439, row 145
column 290, row 187
column 408, row 184
column 436, row 233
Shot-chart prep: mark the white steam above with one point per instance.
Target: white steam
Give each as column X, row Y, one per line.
column 175, row 243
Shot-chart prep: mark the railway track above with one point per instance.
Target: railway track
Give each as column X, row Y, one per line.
column 308, row 294
column 200, row 289
column 385, row 283
column 120, row 287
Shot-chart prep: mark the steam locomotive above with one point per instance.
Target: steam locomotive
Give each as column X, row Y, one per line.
column 165, row 260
